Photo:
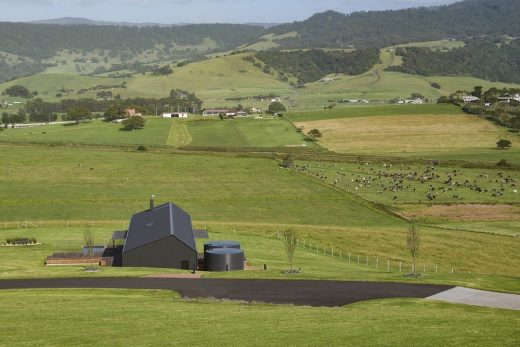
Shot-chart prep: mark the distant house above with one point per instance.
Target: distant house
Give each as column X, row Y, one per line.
column 508, row 99
column 470, row 98
column 416, row 101
column 326, row 80
column 223, row 112
column 175, row 115
column 131, row 112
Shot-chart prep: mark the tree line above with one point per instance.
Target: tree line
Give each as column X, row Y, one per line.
column 37, row 110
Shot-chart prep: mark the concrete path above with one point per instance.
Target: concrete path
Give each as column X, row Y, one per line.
column 461, row 295
column 304, row 292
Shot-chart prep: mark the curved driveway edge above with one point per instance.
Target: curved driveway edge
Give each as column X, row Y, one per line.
column 468, row 296
column 297, row 292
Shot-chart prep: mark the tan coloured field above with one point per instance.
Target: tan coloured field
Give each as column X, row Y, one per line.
column 466, row 212
column 407, row 134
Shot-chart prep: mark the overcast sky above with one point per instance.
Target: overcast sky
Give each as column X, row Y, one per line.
column 193, row 11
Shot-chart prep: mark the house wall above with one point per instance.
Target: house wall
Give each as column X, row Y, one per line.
column 165, row 253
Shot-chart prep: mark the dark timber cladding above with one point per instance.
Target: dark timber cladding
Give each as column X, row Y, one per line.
column 160, row 237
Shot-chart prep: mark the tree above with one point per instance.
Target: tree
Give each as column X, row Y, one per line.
column 290, row 240
column 6, row 119
column 88, row 237
column 413, row 242
column 18, row 91
column 314, row 134
column 277, row 107
column 133, row 123
column 114, row 112
column 78, row 114
column 504, row 144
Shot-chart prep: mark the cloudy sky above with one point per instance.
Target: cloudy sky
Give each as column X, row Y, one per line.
column 193, row 11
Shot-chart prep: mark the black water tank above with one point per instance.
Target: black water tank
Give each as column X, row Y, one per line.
column 221, row 244
column 224, row 259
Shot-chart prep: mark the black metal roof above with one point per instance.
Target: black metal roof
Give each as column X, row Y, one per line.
column 160, row 222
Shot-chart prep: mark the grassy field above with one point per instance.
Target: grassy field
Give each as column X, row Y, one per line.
column 199, row 132
column 411, row 183
column 358, row 111
column 155, row 133
column 247, row 133
column 67, row 183
column 411, row 135
column 79, row 317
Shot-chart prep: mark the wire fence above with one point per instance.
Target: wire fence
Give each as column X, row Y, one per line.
column 381, row 263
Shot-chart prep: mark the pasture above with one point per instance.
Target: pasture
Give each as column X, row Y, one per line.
column 412, row 135
column 81, row 317
column 246, row 133
column 74, row 183
column 96, row 132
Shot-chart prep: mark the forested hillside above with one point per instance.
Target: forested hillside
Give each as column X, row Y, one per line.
column 486, row 59
column 386, row 28
column 309, row 66
column 43, row 41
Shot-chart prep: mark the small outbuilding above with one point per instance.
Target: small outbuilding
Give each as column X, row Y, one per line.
column 160, row 237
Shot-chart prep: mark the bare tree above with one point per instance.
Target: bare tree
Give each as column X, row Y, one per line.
column 413, row 241
column 290, row 239
column 88, row 237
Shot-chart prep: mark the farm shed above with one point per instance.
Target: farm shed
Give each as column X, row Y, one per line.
column 161, row 237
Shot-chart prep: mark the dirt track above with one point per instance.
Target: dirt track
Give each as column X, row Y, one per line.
column 310, row 293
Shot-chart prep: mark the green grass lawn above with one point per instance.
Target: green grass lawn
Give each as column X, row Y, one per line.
column 155, row 133
column 79, row 317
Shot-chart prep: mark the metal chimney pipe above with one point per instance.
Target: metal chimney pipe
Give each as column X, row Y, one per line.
column 152, row 198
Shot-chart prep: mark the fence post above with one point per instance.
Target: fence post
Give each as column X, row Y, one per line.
column 332, row 252
column 340, row 255
column 436, row 269
column 358, row 258
column 18, row 224
column 67, row 223
column 349, row 257
column 388, row 265
column 451, row 270
column 377, row 262
column 367, row 260
column 400, row 265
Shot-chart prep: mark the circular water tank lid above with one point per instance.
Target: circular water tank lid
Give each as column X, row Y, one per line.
column 224, row 251
column 222, row 244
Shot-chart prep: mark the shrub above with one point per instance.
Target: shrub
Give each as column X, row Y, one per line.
column 20, row 241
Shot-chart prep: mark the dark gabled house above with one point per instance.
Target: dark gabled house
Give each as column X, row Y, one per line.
column 160, row 237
